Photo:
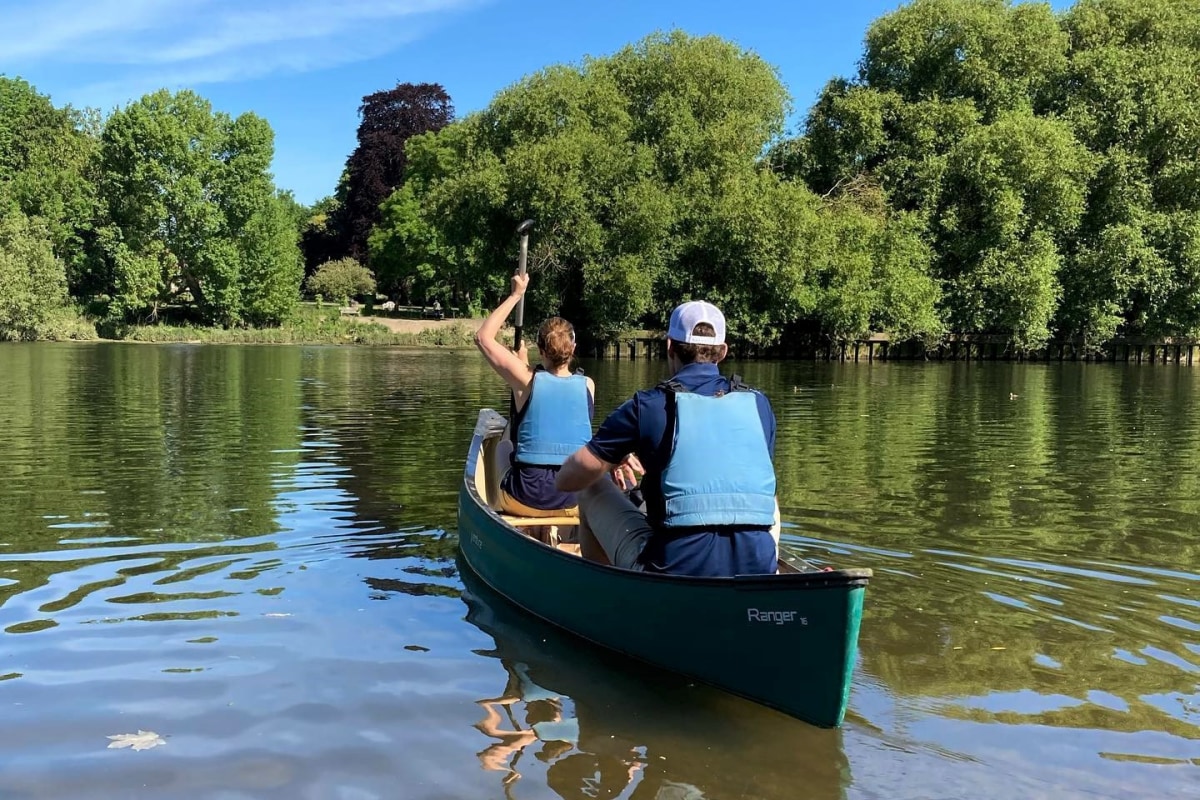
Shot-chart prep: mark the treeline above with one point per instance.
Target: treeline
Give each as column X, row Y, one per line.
column 165, row 204
column 646, row 176
column 1052, row 159
column 991, row 168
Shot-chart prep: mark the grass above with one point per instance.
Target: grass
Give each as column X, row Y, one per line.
column 311, row 325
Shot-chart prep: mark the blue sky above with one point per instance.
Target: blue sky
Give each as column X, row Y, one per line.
column 304, row 65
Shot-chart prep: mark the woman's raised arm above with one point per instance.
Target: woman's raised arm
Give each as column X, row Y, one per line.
column 508, row 365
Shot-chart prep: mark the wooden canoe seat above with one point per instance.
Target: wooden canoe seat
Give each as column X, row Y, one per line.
column 525, row 522
column 546, row 530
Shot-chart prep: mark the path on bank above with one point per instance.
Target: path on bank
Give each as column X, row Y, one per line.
column 418, row 325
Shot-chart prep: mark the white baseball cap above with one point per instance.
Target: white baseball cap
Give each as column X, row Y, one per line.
column 686, row 317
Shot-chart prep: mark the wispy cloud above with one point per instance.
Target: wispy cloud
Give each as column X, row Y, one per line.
column 134, row 45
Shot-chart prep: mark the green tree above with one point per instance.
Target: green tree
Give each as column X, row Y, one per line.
column 191, row 215
column 406, row 252
column 1013, row 192
column 1132, row 97
column 46, row 171
column 645, row 175
column 997, row 55
column 320, row 240
column 341, row 279
column 33, row 283
column 1052, row 159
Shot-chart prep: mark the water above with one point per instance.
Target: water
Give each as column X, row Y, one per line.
column 251, row 552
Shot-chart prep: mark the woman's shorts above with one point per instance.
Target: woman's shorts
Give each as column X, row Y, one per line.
column 511, row 505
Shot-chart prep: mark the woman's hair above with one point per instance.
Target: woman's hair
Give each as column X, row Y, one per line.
column 556, row 340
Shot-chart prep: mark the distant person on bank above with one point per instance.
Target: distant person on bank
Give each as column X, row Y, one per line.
column 706, row 444
column 550, row 415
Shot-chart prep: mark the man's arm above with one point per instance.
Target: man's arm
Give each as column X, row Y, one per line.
column 615, row 439
column 580, row 471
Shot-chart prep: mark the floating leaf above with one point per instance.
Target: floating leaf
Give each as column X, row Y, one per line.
column 142, row 740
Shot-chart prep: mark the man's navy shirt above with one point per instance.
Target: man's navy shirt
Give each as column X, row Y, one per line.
column 642, row 425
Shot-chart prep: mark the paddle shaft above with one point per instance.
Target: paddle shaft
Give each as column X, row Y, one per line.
column 519, row 321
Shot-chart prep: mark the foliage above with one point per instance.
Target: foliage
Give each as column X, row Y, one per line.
column 376, row 167
column 406, row 253
column 341, row 279
column 320, row 240
column 1131, row 96
column 1012, row 190
column 32, row 280
column 1052, row 158
column 309, row 325
column 46, row 157
column 190, row 214
column 996, row 55
column 643, row 172
column 991, row 167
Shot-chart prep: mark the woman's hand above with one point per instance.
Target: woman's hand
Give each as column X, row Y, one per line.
column 519, row 284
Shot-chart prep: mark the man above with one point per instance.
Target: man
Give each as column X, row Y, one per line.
column 706, row 443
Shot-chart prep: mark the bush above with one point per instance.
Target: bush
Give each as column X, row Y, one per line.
column 66, row 324
column 341, row 279
column 33, row 283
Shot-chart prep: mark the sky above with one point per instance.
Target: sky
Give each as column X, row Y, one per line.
column 304, row 65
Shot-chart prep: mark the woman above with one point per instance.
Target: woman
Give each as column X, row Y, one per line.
column 551, row 412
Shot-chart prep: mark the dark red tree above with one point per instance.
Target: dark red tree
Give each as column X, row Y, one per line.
column 376, row 167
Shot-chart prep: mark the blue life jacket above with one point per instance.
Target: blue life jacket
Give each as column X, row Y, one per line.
column 555, row 421
column 720, row 472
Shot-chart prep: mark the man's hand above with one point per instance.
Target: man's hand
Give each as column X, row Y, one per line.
column 628, row 473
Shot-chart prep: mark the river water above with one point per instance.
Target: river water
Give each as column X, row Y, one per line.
column 250, row 552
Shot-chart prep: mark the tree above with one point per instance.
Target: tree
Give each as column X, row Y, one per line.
column 406, row 251
column 320, row 240
column 997, row 55
column 33, row 283
column 46, row 160
column 1131, row 96
column 191, row 215
column 1051, row 159
column 609, row 157
column 644, row 173
column 376, row 167
column 340, row 280
column 1012, row 197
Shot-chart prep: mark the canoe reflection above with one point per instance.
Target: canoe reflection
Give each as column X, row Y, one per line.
column 605, row 725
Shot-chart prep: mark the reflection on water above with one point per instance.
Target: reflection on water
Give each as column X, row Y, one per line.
column 603, row 724
column 251, row 552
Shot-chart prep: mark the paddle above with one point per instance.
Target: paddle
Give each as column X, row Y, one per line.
column 519, row 322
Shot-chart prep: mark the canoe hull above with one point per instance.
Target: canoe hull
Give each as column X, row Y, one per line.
column 788, row 641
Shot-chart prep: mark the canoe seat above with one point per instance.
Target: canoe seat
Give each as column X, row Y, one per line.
column 548, row 530
column 525, row 522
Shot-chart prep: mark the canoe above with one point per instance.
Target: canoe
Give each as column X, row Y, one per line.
column 788, row 640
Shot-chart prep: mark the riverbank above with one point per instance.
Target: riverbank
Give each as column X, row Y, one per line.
column 314, row 328
column 311, row 325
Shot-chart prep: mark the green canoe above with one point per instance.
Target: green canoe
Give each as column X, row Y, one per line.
column 787, row 640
